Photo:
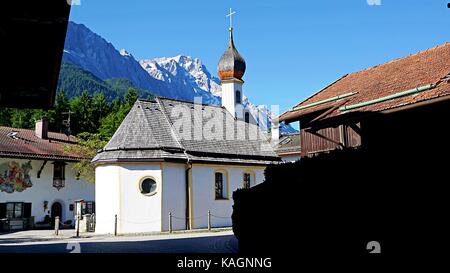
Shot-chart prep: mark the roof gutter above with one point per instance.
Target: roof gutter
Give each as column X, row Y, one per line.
column 390, row 97
column 323, row 101
column 415, row 105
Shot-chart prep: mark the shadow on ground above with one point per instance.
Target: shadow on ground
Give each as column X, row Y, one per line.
column 210, row 244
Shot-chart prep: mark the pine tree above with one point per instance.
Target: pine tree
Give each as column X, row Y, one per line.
column 61, row 106
column 82, row 119
column 118, row 114
column 100, row 108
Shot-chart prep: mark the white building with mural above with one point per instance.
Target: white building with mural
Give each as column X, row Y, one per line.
column 176, row 162
column 37, row 181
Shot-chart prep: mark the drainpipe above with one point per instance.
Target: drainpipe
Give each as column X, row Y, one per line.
column 188, row 189
column 188, row 207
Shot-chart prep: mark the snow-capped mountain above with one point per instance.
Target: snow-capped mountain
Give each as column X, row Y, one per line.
column 181, row 69
column 92, row 53
column 185, row 73
column 179, row 77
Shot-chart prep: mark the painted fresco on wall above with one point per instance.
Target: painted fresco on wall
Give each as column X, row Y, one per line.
column 15, row 177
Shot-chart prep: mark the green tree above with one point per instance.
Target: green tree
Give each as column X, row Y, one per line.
column 21, row 118
column 100, row 108
column 82, row 119
column 118, row 114
column 86, row 148
column 130, row 97
column 5, row 116
column 37, row 114
column 26, row 118
column 61, row 106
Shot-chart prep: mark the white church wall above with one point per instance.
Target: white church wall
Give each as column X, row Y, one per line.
column 42, row 189
column 290, row 158
column 204, row 193
column 174, row 196
column 106, row 197
column 119, row 193
column 139, row 212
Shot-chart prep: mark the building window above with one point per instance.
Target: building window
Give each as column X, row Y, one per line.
column 247, row 117
column 249, row 179
column 59, row 174
column 87, row 207
column 238, row 96
column 148, row 186
column 221, row 186
column 14, row 210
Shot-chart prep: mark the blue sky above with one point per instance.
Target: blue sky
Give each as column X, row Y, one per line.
column 292, row 48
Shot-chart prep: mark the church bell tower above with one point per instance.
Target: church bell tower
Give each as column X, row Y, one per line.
column 231, row 69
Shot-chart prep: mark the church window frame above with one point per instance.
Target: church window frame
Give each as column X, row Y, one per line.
column 238, row 95
column 247, row 117
column 142, row 189
column 221, row 185
column 251, row 176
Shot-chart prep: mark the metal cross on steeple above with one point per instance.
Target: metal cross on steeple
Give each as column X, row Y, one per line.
column 231, row 18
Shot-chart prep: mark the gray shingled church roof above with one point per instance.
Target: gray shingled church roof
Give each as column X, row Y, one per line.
column 151, row 132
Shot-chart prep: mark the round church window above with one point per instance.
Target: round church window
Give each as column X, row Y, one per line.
column 148, row 186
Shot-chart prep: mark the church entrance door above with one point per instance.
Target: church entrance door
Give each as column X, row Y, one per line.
column 56, row 211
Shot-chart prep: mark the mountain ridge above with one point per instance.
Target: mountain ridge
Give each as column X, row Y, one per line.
column 179, row 77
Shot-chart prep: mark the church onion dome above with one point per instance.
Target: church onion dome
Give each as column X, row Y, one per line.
column 231, row 64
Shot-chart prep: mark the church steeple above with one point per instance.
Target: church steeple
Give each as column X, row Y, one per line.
column 231, row 69
column 231, row 64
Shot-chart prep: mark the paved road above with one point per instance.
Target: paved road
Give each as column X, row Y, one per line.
column 216, row 242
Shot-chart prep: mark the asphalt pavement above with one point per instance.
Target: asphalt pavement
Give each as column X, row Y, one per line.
column 66, row 242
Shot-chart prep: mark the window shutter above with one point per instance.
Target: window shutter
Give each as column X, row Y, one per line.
column 2, row 210
column 27, row 210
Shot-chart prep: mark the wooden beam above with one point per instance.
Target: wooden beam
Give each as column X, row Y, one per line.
column 326, row 138
column 324, row 114
column 40, row 169
column 342, row 135
column 355, row 128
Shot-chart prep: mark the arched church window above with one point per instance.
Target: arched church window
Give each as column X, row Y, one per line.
column 247, row 117
column 238, row 96
column 248, row 179
column 148, row 186
column 221, row 184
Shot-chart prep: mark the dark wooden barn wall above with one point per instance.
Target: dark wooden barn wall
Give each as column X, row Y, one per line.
column 421, row 131
column 329, row 139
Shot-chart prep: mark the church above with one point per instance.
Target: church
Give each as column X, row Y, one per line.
column 174, row 164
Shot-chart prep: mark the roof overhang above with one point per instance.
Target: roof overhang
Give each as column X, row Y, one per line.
column 32, row 35
column 39, row 157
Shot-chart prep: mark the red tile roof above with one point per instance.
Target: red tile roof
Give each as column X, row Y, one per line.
column 431, row 66
column 25, row 144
